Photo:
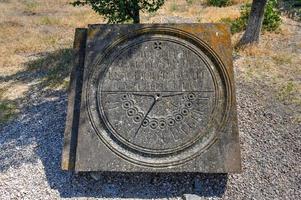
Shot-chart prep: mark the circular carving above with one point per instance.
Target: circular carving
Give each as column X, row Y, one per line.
column 184, row 111
column 160, row 98
column 191, row 96
column 162, row 123
column 178, row 117
column 171, row 122
column 154, row 124
column 131, row 111
column 145, row 122
column 125, row 97
column 138, row 117
column 127, row 104
column 188, row 104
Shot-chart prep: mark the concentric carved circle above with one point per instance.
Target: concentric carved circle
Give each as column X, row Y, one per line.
column 157, row 99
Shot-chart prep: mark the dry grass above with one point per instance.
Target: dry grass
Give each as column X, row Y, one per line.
column 30, row 29
column 215, row 14
column 241, row 1
column 276, row 61
column 255, row 50
column 32, row 26
column 196, row 10
column 8, row 108
column 38, row 34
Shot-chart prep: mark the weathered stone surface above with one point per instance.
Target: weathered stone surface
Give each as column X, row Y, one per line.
column 153, row 98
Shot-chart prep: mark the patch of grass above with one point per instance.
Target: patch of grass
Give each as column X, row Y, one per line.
column 250, row 73
column 65, row 83
column 7, row 111
column 37, row 42
column 174, row 7
column 56, row 65
column 215, row 14
column 282, row 59
column 45, row 20
column 190, row 2
column 287, row 93
column 240, row 1
column 30, row 7
column 219, row 3
column 2, row 92
column 239, row 24
column 50, row 40
column 10, row 24
column 151, row 14
column 271, row 21
column 236, row 25
column 254, row 50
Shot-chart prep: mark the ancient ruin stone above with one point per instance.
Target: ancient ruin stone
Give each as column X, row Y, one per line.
column 158, row 98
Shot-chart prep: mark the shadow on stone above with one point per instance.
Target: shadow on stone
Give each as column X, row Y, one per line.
column 37, row 134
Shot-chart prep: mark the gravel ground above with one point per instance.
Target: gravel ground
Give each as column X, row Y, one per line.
column 30, row 152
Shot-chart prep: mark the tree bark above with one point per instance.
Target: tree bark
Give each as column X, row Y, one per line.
column 255, row 20
column 136, row 17
column 135, row 12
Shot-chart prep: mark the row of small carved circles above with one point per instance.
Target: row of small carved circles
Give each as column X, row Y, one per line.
column 153, row 122
column 189, row 97
column 137, row 116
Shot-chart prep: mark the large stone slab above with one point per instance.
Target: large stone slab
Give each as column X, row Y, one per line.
column 156, row 98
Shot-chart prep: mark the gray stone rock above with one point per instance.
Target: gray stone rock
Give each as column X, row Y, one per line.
column 152, row 98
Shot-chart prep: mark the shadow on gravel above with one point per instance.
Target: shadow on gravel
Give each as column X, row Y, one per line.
column 37, row 135
column 50, row 69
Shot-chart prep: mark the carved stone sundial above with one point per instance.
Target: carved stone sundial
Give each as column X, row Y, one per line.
column 154, row 98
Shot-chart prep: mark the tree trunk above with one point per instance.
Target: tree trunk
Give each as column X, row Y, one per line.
column 135, row 12
column 255, row 20
column 136, row 17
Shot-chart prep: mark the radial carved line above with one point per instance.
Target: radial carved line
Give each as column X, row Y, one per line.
column 183, row 130
column 193, row 117
column 151, row 107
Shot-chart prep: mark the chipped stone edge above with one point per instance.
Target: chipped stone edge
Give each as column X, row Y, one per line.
column 74, row 94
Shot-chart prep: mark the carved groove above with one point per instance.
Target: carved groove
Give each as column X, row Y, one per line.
column 156, row 122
